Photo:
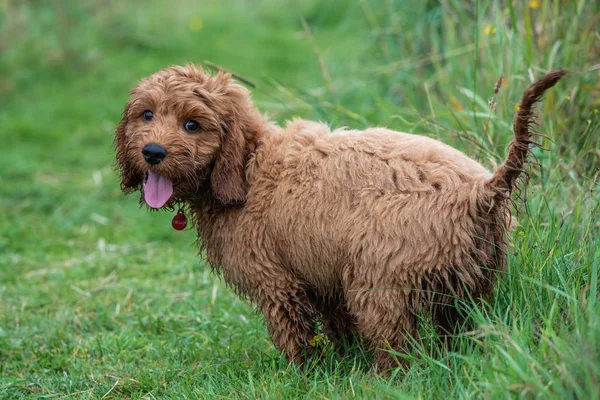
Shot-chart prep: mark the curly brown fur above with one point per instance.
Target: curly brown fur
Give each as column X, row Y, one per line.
column 362, row 230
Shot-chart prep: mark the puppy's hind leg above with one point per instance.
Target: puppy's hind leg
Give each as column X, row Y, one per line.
column 450, row 321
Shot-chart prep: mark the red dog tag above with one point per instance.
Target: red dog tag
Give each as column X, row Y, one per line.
column 179, row 221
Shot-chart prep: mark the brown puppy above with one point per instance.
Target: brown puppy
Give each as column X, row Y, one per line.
column 362, row 230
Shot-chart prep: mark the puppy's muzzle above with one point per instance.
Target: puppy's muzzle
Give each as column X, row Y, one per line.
column 154, row 153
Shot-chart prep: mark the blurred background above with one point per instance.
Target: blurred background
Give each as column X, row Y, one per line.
column 83, row 269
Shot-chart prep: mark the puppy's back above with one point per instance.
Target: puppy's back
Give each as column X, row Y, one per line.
column 371, row 197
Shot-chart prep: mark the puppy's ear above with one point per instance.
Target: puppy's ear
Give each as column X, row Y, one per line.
column 228, row 177
column 129, row 180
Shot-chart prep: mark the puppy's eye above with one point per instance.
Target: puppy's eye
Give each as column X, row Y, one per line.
column 192, row 126
column 147, row 115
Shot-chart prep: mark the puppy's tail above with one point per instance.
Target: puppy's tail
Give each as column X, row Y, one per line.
column 506, row 174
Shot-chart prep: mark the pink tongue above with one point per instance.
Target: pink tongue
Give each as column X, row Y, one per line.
column 157, row 190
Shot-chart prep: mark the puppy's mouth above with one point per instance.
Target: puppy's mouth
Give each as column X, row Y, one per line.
column 158, row 189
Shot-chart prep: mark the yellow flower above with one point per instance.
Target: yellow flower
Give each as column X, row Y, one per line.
column 196, row 24
column 315, row 340
column 534, row 4
column 456, row 104
column 517, row 107
column 489, row 30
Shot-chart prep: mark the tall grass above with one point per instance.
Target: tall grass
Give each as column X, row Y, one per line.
column 100, row 299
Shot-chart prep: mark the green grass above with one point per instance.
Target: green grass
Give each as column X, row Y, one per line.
column 101, row 299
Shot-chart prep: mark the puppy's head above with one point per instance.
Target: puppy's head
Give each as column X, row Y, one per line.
column 183, row 133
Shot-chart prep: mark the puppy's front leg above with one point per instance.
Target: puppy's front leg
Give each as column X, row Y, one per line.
column 339, row 324
column 289, row 315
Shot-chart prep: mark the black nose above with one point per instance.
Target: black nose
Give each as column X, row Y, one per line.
column 154, row 153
